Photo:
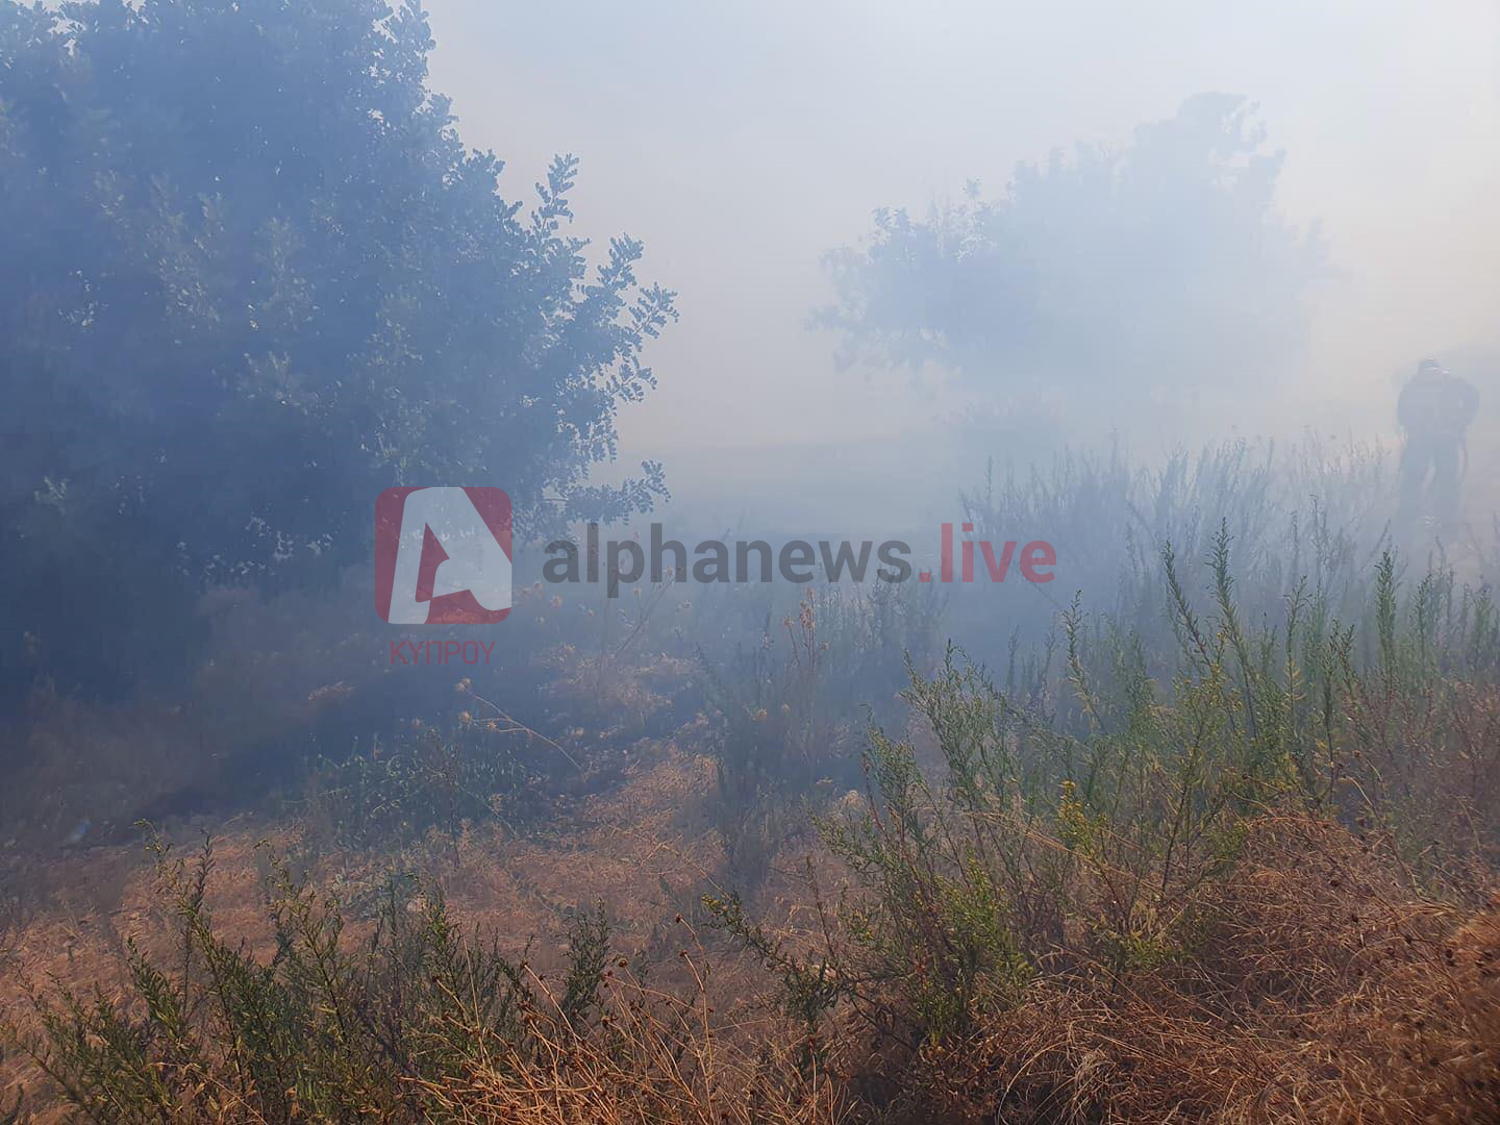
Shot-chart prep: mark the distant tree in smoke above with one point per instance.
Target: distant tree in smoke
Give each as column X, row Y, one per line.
column 1162, row 262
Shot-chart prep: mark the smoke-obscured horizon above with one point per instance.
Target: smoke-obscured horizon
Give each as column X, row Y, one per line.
column 765, row 136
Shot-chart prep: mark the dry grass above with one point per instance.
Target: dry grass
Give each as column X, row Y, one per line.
column 1326, row 977
column 1325, row 987
column 668, row 1058
column 694, row 1040
column 1325, row 990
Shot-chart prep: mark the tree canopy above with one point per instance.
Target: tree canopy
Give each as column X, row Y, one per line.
column 252, row 276
column 1159, row 261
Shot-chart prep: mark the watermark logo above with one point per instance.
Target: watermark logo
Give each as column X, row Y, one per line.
column 623, row 562
column 442, row 556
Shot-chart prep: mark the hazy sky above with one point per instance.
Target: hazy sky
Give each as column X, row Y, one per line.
column 741, row 140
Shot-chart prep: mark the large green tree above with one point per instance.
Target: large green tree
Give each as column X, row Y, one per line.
column 249, row 276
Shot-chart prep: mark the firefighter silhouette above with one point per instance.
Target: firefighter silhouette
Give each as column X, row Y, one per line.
column 1434, row 412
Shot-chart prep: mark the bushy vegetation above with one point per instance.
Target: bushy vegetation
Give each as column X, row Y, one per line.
column 414, row 1021
column 209, row 280
column 787, row 711
column 392, row 795
column 976, row 284
column 1080, row 831
column 1295, row 511
column 1219, row 848
column 1207, row 830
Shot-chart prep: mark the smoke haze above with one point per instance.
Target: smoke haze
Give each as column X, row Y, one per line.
column 766, row 134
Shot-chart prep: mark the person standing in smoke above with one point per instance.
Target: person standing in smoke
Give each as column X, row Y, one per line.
column 1434, row 412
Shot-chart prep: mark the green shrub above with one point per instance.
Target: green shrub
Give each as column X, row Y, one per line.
column 784, row 712
column 391, row 795
column 415, row 1022
column 1071, row 826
